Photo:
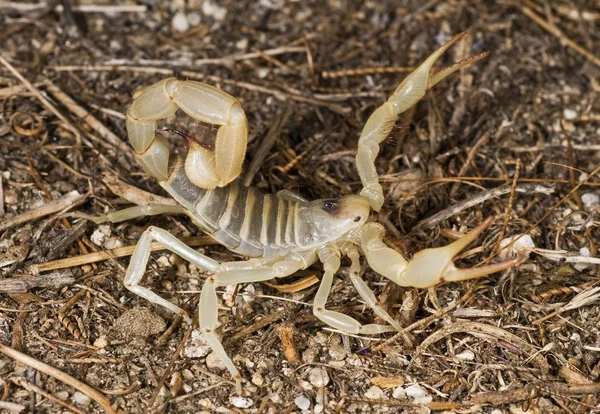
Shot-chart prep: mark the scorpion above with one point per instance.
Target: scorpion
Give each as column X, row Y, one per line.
column 281, row 233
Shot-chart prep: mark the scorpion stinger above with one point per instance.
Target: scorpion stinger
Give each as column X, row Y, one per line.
column 281, row 233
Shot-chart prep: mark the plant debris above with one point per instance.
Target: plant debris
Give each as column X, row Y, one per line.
column 516, row 135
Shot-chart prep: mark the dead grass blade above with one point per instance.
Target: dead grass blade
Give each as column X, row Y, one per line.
column 58, row 375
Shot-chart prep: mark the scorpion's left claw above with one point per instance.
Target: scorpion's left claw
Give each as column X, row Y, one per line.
column 430, row 266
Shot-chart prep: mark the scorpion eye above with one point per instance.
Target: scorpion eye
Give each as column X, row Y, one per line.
column 329, row 205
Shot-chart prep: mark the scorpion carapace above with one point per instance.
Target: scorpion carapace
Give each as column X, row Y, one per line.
column 282, row 232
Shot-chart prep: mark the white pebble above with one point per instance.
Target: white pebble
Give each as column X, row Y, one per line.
column 521, row 245
column 318, row 377
column 62, row 395
column 100, row 234
column 399, row 393
column 375, row 393
column 180, row 22
column 101, row 342
column 213, row 361
column 585, row 252
column 197, row 347
column 319, row 408
column 212, row 9
column 415, row 390
column 257, row 379
column 302, row 402
column 81, row 398
column 194, row 19
column 590, row 199
column 241, row 402
column 242, row 44
column 569, row 114
column 466, row 355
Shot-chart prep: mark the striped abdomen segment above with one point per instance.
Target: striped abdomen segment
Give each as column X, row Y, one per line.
column 242, row 218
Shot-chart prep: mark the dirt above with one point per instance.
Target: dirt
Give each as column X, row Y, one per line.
column 515, row 135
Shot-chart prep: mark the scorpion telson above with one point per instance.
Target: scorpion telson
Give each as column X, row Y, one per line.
column 282, row 233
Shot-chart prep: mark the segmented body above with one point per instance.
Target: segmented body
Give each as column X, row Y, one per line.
column 244, row 219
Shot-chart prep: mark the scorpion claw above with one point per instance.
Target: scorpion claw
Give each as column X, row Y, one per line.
column 428, row 267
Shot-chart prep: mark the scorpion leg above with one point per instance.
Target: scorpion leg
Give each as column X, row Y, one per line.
column 380, row 123
column 139, row 261
column 364, row 291
column 428, row 267
column 233, row 273
column 118, row 216
column 331, row 264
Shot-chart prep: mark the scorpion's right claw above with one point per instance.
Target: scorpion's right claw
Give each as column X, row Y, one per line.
column 428, row 267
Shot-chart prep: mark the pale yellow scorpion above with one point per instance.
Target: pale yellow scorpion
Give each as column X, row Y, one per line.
column 282, row 233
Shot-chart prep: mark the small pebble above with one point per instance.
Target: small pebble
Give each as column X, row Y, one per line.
column 194, row 19
column 302, row 402
column 375, row 393
column 213, row 361
column 241, row 402
column 466, row 355
column 180, row 22
column 590, row 199
column 197, row 347
column 81, row 399
column 101, row 342
column 585, row 252
column 399, row 393
column 318, row 377
column 415, row 390
column 319, row 408
column 520, row 246
column 257, row 379
column 214, row 10
column 569, row 114
column 62, row 395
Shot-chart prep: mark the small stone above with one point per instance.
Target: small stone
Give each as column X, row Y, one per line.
column 337, row 352
column 241, row 402
column 585, row 252
column 180, row 22
column 570, row 114
column 521, row 245
column 242, row 44
column 194, row 18
column 100, row 234
column 81, row 399
column 590, row 199
column 399, row 393
column 319, row 408
column 214, row 10
column 197, row 347
column 113, row 243
column 415, row 390
column 62, row 395
column 318, row 377
column 257, row 379
column 302, row 402
column 466, row 355
column 213, row 361
column 101, row 342
column 375, row 393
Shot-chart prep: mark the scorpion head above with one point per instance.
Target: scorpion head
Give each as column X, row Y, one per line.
column 329, row 219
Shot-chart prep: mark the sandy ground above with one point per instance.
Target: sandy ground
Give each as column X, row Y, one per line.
column 516, row 135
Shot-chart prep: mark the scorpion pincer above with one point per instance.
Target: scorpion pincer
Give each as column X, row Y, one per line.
column 281, row 233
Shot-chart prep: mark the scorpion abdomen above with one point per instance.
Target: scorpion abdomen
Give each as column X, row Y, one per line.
column 244, row 219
